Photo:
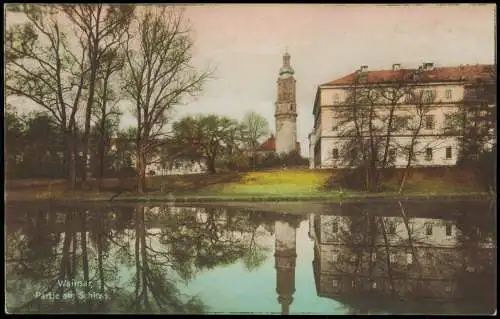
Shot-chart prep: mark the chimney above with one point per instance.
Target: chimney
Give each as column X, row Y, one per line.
column 428, row 66
column 395, row 67
column 363, row 68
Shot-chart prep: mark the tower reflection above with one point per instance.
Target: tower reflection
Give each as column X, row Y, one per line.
column 285, row 256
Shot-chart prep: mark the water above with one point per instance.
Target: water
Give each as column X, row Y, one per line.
column 363, row 258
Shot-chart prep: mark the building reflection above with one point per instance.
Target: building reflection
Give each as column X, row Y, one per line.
column 402, row 253
column 285, row 257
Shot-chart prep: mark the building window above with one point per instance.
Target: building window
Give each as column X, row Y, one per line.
column 429, row 122
column 409, row 258
column 336, row 97
column 335, row 153
column 353, row 284
column 448, row 94
column 428, row 257
column 411, row 226
column 448, row 152
column 335, row 283
column 335, row 257
column 428, row 96
column 408, row 150
column 448, row 121
column 291, row 107
column 335, row 227
column 478, row 231
column 392, row 153
column 392, row 258
column 374, row 284
column 391, row 228
column 428, row 154
column 394, row 124
column 402, row 122
column 448, row 229
column 374, row 257
column 408, row 98
column 428, row 229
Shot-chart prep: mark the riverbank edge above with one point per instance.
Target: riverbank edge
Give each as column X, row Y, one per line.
column 333, row 198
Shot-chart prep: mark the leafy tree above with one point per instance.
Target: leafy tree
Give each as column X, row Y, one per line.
column 42, row 147
column 14, row 141
column 204, row 136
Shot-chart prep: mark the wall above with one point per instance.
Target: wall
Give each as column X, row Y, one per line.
column 286, row 134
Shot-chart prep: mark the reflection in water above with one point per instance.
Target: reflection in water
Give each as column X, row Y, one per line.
column 285, row 256
column 140, row 259
column 366, row 255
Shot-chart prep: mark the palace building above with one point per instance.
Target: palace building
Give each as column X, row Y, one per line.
column 406, row 103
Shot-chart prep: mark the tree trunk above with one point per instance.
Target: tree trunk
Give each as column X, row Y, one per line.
column 100, row 173
column 83, row 241
column 88, row 111
column 211, row 165
column 403, row 181
column 141, row 170
column 406, row 172
column 70, row 158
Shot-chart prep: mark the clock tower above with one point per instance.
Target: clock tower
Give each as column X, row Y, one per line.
column 286, row 109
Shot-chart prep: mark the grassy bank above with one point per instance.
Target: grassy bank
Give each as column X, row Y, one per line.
column 275, row 185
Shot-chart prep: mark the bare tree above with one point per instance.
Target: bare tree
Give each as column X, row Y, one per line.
column 106, row 112
column 391, row 93
column 358, row 124
column 102, row 28
column 255, row 127
column 41, row 67
column 158, row 75
column 421, row 101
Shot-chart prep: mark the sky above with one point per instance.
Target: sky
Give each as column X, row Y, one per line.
column 245, row 44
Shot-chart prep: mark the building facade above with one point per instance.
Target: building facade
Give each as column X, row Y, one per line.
column 413, row 257
column 160, row 165
column 410, row 109
column 286, row 109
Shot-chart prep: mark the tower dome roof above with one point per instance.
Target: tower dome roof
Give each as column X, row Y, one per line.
column 286, row 70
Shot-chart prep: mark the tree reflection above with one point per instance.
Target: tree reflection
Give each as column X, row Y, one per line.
column 390, row 252
column 133, row 257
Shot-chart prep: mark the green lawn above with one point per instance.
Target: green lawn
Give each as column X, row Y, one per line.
column 279, row 182
column 290, row 184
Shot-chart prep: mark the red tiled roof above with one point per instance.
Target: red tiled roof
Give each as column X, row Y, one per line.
column 457, row 73
column 268, row 145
